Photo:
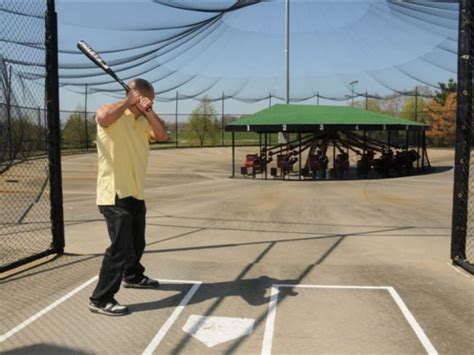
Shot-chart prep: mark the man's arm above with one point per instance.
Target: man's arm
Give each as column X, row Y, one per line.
column 108, row 114
column 158, row 129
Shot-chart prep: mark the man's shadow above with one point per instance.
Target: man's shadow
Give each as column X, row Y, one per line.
column 253, row 291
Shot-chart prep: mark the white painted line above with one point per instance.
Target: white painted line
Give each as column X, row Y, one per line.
column 45, row 310
column 270, row 323
column 333, row 287
column 413, row 323
column 165, row 281
column 172, row 318
column 272, row 306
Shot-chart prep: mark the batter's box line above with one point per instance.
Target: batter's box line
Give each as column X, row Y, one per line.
column 272, row 306
column 156, row 340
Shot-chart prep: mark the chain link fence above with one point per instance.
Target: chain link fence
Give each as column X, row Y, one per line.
column 25, row 221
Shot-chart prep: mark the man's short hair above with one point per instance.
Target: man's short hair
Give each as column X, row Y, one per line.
column 141, row 85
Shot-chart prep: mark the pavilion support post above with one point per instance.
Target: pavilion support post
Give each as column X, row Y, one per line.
column 282, row 171
column 407, row 140
column 365, row 142
column 259, row 143
column 389, row 140
column 418, row 144
column 423, row 150
column 233, row 154
column 266, row 165
column 299, row 156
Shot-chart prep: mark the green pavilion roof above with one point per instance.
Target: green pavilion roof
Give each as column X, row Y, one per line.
column 310, row 118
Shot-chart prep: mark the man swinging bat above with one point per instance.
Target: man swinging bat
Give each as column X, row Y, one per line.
column 124, row 130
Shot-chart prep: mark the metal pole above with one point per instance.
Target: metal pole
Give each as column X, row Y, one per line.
column 266, row 165
column 270, row 100
column 418, row 143
column 366, row 100
column 176, row 121
column 407, row 139
column 317, row 98
column 233, row 154
column 222, row 124
column 287, row 49
column 416, row 104
column 45, row 123
column 38, row 131
column 85, row 119
column 9, row 113
column 299, row 156
column 54, row 128
column 423, row 150
column 365, row 142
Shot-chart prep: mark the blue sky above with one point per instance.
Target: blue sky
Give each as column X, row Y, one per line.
column 387, row 46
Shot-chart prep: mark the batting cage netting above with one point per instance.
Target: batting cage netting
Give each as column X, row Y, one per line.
column 462, row 245
column 25, row 213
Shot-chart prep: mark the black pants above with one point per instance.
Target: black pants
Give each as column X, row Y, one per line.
column 126, row 226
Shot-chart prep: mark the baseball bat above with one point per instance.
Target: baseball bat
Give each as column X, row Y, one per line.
column 97, row 60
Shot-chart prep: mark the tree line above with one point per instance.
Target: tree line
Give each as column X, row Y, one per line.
column 437, row 109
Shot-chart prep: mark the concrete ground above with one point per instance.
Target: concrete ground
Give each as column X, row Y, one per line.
column 370, row 258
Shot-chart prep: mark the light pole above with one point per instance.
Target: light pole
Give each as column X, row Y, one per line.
column 352, row 84
column 287, row 49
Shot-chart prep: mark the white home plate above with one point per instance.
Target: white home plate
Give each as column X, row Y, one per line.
column 215, row 330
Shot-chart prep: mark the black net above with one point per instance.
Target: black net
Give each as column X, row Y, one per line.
column 25, row 227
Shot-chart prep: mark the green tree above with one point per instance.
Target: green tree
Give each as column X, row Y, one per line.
column 74, row 132
column 445, row 90
column 408, row 109
column 371, row 104
column 203, row 125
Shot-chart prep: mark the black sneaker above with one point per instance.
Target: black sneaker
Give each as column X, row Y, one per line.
column 145, row 282
column 112, row 308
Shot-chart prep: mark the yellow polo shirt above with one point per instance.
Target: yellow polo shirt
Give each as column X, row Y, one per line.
column 123, row 156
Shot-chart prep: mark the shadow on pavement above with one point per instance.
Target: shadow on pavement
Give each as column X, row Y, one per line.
column 42, row 348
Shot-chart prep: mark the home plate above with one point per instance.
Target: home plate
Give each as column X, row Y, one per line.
column 215, row 330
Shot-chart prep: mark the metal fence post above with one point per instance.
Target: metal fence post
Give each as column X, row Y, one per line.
column 54, row 128
column 463, row 136
column 176, row 120
column 233, row 154
column 85, row 119
column 38, row 132
column 9, row 113
column 222, row 119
